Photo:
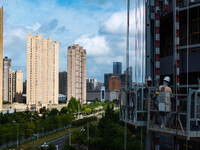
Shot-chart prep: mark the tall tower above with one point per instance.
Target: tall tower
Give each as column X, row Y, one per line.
column 19, row 86
column 76, row 78
column 117, row 68
column 1, row 56
column 42, row 71
column 6, row 67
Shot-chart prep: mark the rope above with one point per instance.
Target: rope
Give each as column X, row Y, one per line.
column 136, row 42
column 187, row 54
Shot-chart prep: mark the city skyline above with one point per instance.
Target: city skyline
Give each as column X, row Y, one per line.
column 95, row 33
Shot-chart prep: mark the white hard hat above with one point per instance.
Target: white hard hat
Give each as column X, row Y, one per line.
column 149, row 79
column 167, row 79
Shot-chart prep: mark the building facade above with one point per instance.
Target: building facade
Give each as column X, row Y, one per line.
column 13, row 85
column 1, row 57
column 76, row 78
column 63, row 83
column 117, row 68
column 42, row 71
column 114, row 83
column 6, row 68
column 19, row 86
column 106, row 80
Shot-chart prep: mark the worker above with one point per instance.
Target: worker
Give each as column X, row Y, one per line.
column 149, row 82
column 165, row 87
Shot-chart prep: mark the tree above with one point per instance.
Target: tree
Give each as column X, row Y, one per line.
column 79, row 137
column 54, row 112
column 66, row 119
column 68, row 147
column 7, row 136
column 87, row 110
column 73, row 105
column 29, row 128
column 64, row 110
column 51, row 147
column 2, row 132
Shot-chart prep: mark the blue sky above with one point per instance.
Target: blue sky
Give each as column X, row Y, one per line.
column 97, row 25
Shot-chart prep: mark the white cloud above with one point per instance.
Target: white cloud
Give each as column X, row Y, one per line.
column 94, row 45
column 34, row 28
column 117, row 23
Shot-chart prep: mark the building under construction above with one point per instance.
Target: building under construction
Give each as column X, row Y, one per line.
column 172, row 49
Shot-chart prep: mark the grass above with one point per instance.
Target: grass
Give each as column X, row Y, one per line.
column 34, row 143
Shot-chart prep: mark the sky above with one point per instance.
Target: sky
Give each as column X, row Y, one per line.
column 97, row 25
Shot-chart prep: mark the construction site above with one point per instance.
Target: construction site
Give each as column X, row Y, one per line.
column 172, row 55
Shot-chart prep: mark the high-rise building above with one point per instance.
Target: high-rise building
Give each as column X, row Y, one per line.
column 63, row 83
column 13, row 85
column 10, row 85
column 117, row 68
column 19, row 86
column 24, row 87
column 42, row 71
column 76, row 78
column 1, row 57
column 106, row 80
column 114, row 83
column 6, row 67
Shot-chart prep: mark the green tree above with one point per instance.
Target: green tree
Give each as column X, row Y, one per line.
column 68, row 147
column 87, row 111
column 64, row 110
column 7, row 136
column 74, row 105
column 79, row 137
column 51, row 147
column 2, row 132
column 54, row 112
column 29, row 128
column 66, row 119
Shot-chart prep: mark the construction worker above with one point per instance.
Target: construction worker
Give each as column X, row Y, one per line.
column 165, row 87
column 149, row 82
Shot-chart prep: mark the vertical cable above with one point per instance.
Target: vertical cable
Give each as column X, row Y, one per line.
column 136, row 68
column 139, row 39
column 127, row 71
column 143, row 42
column 157, row 41
column 187, row 51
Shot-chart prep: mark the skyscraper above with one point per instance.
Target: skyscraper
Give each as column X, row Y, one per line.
column 76, row 77
column 114, row 83
column 19, row 86
column 106, row 80
column 117, row 68
column 1, row 56
column 6, row 67
column 10, row 85
column 42, row 71
column 63, row 83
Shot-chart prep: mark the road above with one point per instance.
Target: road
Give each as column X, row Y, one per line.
column 60, row 141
